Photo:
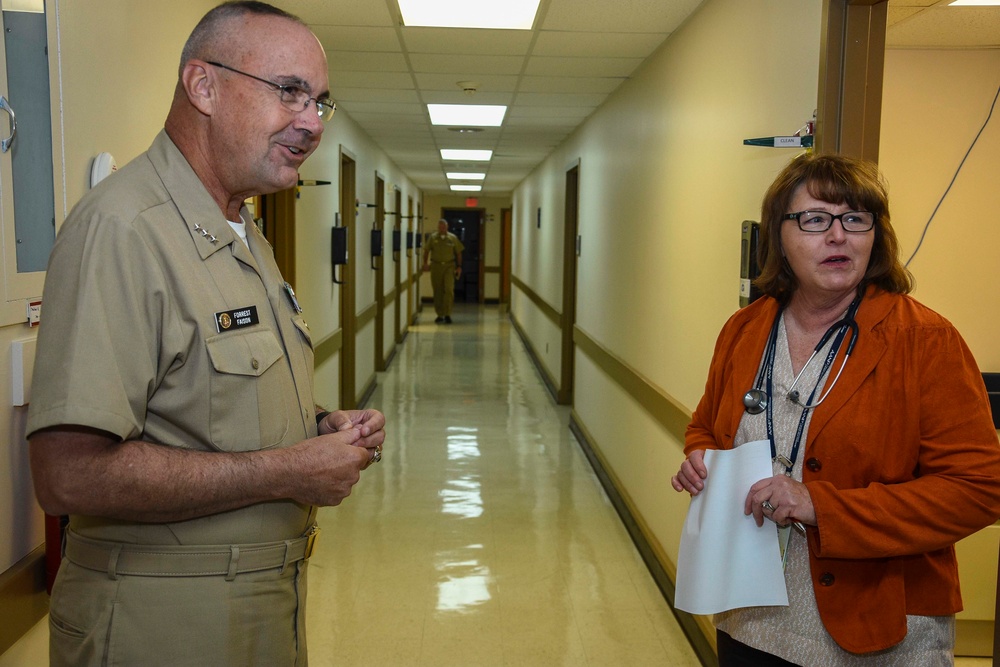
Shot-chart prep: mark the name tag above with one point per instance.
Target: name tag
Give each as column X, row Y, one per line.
column 236, row 319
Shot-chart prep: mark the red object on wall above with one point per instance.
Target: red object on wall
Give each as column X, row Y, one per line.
column 54, row 528
column 470, row 202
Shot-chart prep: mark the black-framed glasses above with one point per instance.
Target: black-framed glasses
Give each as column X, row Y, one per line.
column 293, row 97
column 820, row 221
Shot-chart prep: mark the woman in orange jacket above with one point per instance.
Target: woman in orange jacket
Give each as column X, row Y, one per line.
column 884, row 450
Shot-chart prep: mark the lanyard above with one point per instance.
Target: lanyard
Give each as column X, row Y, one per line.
column 842, row 328
column 789, row 462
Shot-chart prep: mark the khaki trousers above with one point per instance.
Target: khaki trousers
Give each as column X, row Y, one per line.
column 443, row 282
column 256, row 619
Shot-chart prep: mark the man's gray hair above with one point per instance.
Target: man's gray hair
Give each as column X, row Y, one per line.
column 208, row 30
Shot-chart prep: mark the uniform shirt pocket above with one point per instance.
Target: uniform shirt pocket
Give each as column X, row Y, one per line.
column 247, row 381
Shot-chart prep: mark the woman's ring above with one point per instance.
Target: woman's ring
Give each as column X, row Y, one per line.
column 377, row 454
column 767, row 506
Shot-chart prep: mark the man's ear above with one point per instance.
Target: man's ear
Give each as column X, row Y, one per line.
column 200, row 86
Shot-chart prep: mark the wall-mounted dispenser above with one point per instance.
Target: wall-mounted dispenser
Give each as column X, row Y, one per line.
column 338, row 250
column 749, row 268
column 376, row 247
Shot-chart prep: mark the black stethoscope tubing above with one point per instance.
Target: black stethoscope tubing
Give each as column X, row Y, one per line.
column 756, row 401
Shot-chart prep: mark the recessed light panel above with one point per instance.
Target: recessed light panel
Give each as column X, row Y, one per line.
column 466, row 188
column 465, row 155
column 465, row 176
column 974, row 3
column 505, row 15
column 474, row 115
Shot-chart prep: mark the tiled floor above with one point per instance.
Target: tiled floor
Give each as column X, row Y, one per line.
column 483, row 538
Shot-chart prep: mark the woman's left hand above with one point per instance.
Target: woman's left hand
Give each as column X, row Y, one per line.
column 782, row 500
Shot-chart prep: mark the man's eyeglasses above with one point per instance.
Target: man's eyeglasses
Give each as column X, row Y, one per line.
column 820, row 221
column 293, row 97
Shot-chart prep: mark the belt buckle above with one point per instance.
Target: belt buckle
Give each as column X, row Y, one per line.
column 311, row 540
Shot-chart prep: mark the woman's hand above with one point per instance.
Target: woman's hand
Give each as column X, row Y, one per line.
column 691, row 477
column 782, row 500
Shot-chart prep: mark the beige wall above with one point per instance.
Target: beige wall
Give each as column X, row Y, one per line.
column 934, row 104
column 317, row 206
column 665, row 183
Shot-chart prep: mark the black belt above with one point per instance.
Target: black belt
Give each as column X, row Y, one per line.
column 154, row 560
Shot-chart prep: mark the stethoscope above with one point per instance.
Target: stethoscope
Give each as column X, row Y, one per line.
column 757, row 400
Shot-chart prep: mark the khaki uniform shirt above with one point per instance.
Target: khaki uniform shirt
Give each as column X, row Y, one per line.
column 443, row 248
column 140, row 275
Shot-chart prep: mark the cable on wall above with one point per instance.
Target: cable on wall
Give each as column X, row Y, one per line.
column 948, row 189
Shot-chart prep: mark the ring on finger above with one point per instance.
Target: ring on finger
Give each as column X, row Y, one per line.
column 376, row 454
column 766, row 505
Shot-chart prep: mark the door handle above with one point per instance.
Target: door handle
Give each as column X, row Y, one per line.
column 5, row 144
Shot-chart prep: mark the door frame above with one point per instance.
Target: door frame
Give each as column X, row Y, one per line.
column 348, row 316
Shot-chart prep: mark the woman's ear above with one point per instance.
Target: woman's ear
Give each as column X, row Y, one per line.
column 200, row 86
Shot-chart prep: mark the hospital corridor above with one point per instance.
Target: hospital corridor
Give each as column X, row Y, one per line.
column 483, row 537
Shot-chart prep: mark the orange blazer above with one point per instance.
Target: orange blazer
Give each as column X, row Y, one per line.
column 902, row 460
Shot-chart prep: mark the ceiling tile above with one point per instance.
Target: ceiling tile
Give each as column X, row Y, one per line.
column 545, row 66
column 969, row 27
column 378, row 80
column 619, row 16
column 458, row 41
column 559, row 84
column 365, row 61
column 338, row 12
column 597, row 45
column 354, row 38
column 442, row 63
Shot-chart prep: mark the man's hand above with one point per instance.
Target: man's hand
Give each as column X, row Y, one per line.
column 323, row 470
column 371, row 425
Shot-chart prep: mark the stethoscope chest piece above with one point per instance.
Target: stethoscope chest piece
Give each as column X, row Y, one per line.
column 755, row 401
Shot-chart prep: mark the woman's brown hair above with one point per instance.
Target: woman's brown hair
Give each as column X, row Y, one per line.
column 836, row 179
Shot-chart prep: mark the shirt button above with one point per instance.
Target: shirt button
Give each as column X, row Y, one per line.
column 255, row 364
column 814, row 464
column 826, row 579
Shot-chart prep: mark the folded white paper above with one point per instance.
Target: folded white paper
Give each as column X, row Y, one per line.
column 725, row 560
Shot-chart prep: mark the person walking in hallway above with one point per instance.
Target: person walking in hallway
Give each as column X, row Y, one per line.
column 172, row 414
column 443, row 258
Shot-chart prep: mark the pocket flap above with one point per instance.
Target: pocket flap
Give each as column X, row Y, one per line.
column 249, row 353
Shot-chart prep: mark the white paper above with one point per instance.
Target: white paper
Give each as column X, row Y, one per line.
column 725, row 560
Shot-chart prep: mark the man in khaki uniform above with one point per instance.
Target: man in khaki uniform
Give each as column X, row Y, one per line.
column 172, row 414
column 443, row 258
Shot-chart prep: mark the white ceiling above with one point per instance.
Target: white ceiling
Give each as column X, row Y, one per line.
column 552, row 77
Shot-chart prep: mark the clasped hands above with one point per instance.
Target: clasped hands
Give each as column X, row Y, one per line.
column 368, row 424
column 779, row 498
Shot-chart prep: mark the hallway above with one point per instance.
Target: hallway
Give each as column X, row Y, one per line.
column 482, row 538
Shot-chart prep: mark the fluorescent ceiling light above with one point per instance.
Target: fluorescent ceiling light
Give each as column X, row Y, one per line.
column 974, row 3
column 465, row 176
column 476, row 115
column 467, row 188
column 465, row 155
column 505, row 15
